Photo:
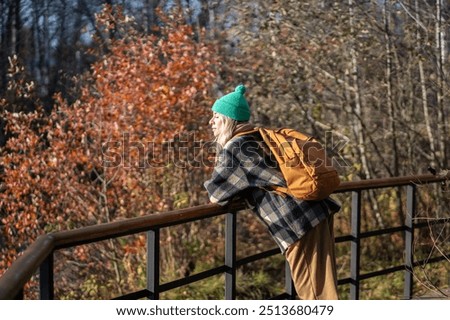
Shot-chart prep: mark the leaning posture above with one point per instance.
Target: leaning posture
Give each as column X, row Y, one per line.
column 244, row 168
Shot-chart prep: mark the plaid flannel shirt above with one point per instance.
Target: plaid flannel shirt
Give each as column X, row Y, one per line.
column 244, row 169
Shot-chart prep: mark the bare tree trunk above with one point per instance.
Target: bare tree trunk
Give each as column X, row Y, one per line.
column 60, row 57
column 389, row 87
column 358, row 125
column 3, row 44
column 390, row 67
column 184, row 10
column 13, row 25
column 41, row 45
column 10, row 35
column 440, row 74
column 150, row 7
column 357, row 109
column 423, row 90
column 203, row 17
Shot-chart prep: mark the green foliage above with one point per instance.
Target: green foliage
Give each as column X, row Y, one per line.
column 261, row 280
column 389, row 287
column 208, row 289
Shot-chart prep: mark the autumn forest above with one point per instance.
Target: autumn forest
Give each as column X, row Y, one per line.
column 104, row 109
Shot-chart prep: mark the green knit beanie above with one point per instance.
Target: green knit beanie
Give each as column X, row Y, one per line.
column 233, row 105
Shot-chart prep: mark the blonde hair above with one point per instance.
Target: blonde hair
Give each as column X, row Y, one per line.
column 227, row 130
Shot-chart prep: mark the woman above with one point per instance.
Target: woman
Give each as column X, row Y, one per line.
column 302, row 229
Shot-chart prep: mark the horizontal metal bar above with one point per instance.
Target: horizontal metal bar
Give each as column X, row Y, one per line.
column 134, row 295
column 217, row 270
column 369, row 234
column 430, row 260
column 344, row 281
column 380, row 232
column 283, row 296
column 13, row 280
column 193, row 278
column 343, row 239
column 402, row 267
column 382, row 272
column 431, row 222
column 258, row 256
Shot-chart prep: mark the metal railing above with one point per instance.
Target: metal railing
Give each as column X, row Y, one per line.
column 40, row 254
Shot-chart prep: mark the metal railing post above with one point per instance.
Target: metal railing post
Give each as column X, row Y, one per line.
column 19, row 296
column 40, row 254
column 46, row 283
column 355, row 245
column 289, row 284
column 409, row 239
column 230, row 256
column 153, row 263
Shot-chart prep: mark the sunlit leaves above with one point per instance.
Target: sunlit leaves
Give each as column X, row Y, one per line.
column 144, row 91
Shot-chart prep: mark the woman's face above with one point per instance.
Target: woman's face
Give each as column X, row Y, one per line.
column 216, row 124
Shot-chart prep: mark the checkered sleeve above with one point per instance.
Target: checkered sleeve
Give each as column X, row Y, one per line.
column 228, row 179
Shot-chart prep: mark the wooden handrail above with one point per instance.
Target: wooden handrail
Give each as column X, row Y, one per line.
column 94, row 233
column 390, row 182
column 24, row 267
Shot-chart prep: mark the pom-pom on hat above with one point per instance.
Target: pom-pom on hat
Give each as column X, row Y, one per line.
column 233, row 105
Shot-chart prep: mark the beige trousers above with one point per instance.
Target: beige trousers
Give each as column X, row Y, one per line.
column 313, row 265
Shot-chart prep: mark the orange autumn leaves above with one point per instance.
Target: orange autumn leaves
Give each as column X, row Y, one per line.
column 147, row 89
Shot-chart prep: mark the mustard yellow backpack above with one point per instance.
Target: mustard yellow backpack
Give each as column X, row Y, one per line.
column 303, row 161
